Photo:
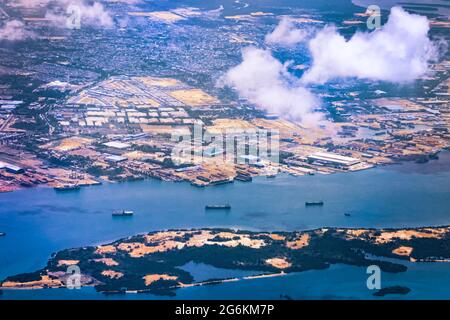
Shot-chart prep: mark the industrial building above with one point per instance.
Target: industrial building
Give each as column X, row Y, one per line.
column 332, row 159
column 115, row 159
column 11, row 168
column 117, row 145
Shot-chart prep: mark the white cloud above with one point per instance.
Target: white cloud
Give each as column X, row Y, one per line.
column 125, row 1
column 96, row 15
column 398, row 52
column 93, row 15
column 286, row 34
column 15, row 30
column 265, row 82
column 29, row 3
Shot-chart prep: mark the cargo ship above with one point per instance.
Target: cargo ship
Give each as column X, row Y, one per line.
column 67, row 187
column 123, row 213
column 218, row 206
column 314, row 203
column 243, row 178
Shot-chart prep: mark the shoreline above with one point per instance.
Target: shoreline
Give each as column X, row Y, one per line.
column 98, row 181
column 171, row 243
column 180, row 286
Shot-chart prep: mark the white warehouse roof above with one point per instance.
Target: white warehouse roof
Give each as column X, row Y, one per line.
column 117, row 145
column 334, row 158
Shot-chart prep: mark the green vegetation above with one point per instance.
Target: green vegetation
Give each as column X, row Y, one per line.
column 162, row 254
column 110, row 172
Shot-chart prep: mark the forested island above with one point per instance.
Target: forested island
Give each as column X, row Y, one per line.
column 153, row 262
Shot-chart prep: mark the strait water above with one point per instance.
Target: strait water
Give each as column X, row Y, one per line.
column 41, row 221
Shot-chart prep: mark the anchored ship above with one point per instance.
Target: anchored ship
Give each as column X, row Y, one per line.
column 314, row 203
column 243, row 178
column 67, row 187
column 123, row 213
column 218, row 206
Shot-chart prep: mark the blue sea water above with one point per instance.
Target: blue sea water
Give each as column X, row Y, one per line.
column 41, row 221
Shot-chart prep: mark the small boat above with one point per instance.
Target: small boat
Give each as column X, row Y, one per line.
column 314, row 203
column 2, row 234
column 218, row 206
column 271, row 176
column 347, row 214
column 67, row 187
column 123, row 213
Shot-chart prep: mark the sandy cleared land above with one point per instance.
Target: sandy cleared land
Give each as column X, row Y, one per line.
column 136, row 249
column 299, row 243
column 112, row 274
column 387, row 237
column 166, row 235
column 261, row 14
column 214, row 169
column 390, row 236
column 136, row 155
column 354, row 233
column 168, row 242
column 159, row 82
column 149, row 279
column 106, row 249
column 67, row 262
column 63, row 176
column 165, row 129
column 230, row 125
column 284, row 127
column 280, row 263
column 440, row 24
column 45, row 281
column 403, row 251
column 276, row 237
column 194, row 97
column 86, row 153
column 68, row 144
column 107, row 261
column 165, row 16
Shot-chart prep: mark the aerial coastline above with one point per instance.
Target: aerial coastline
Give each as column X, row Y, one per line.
column 151, row 262
column 178, row 150
column 80, row 156
column 69, row 129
